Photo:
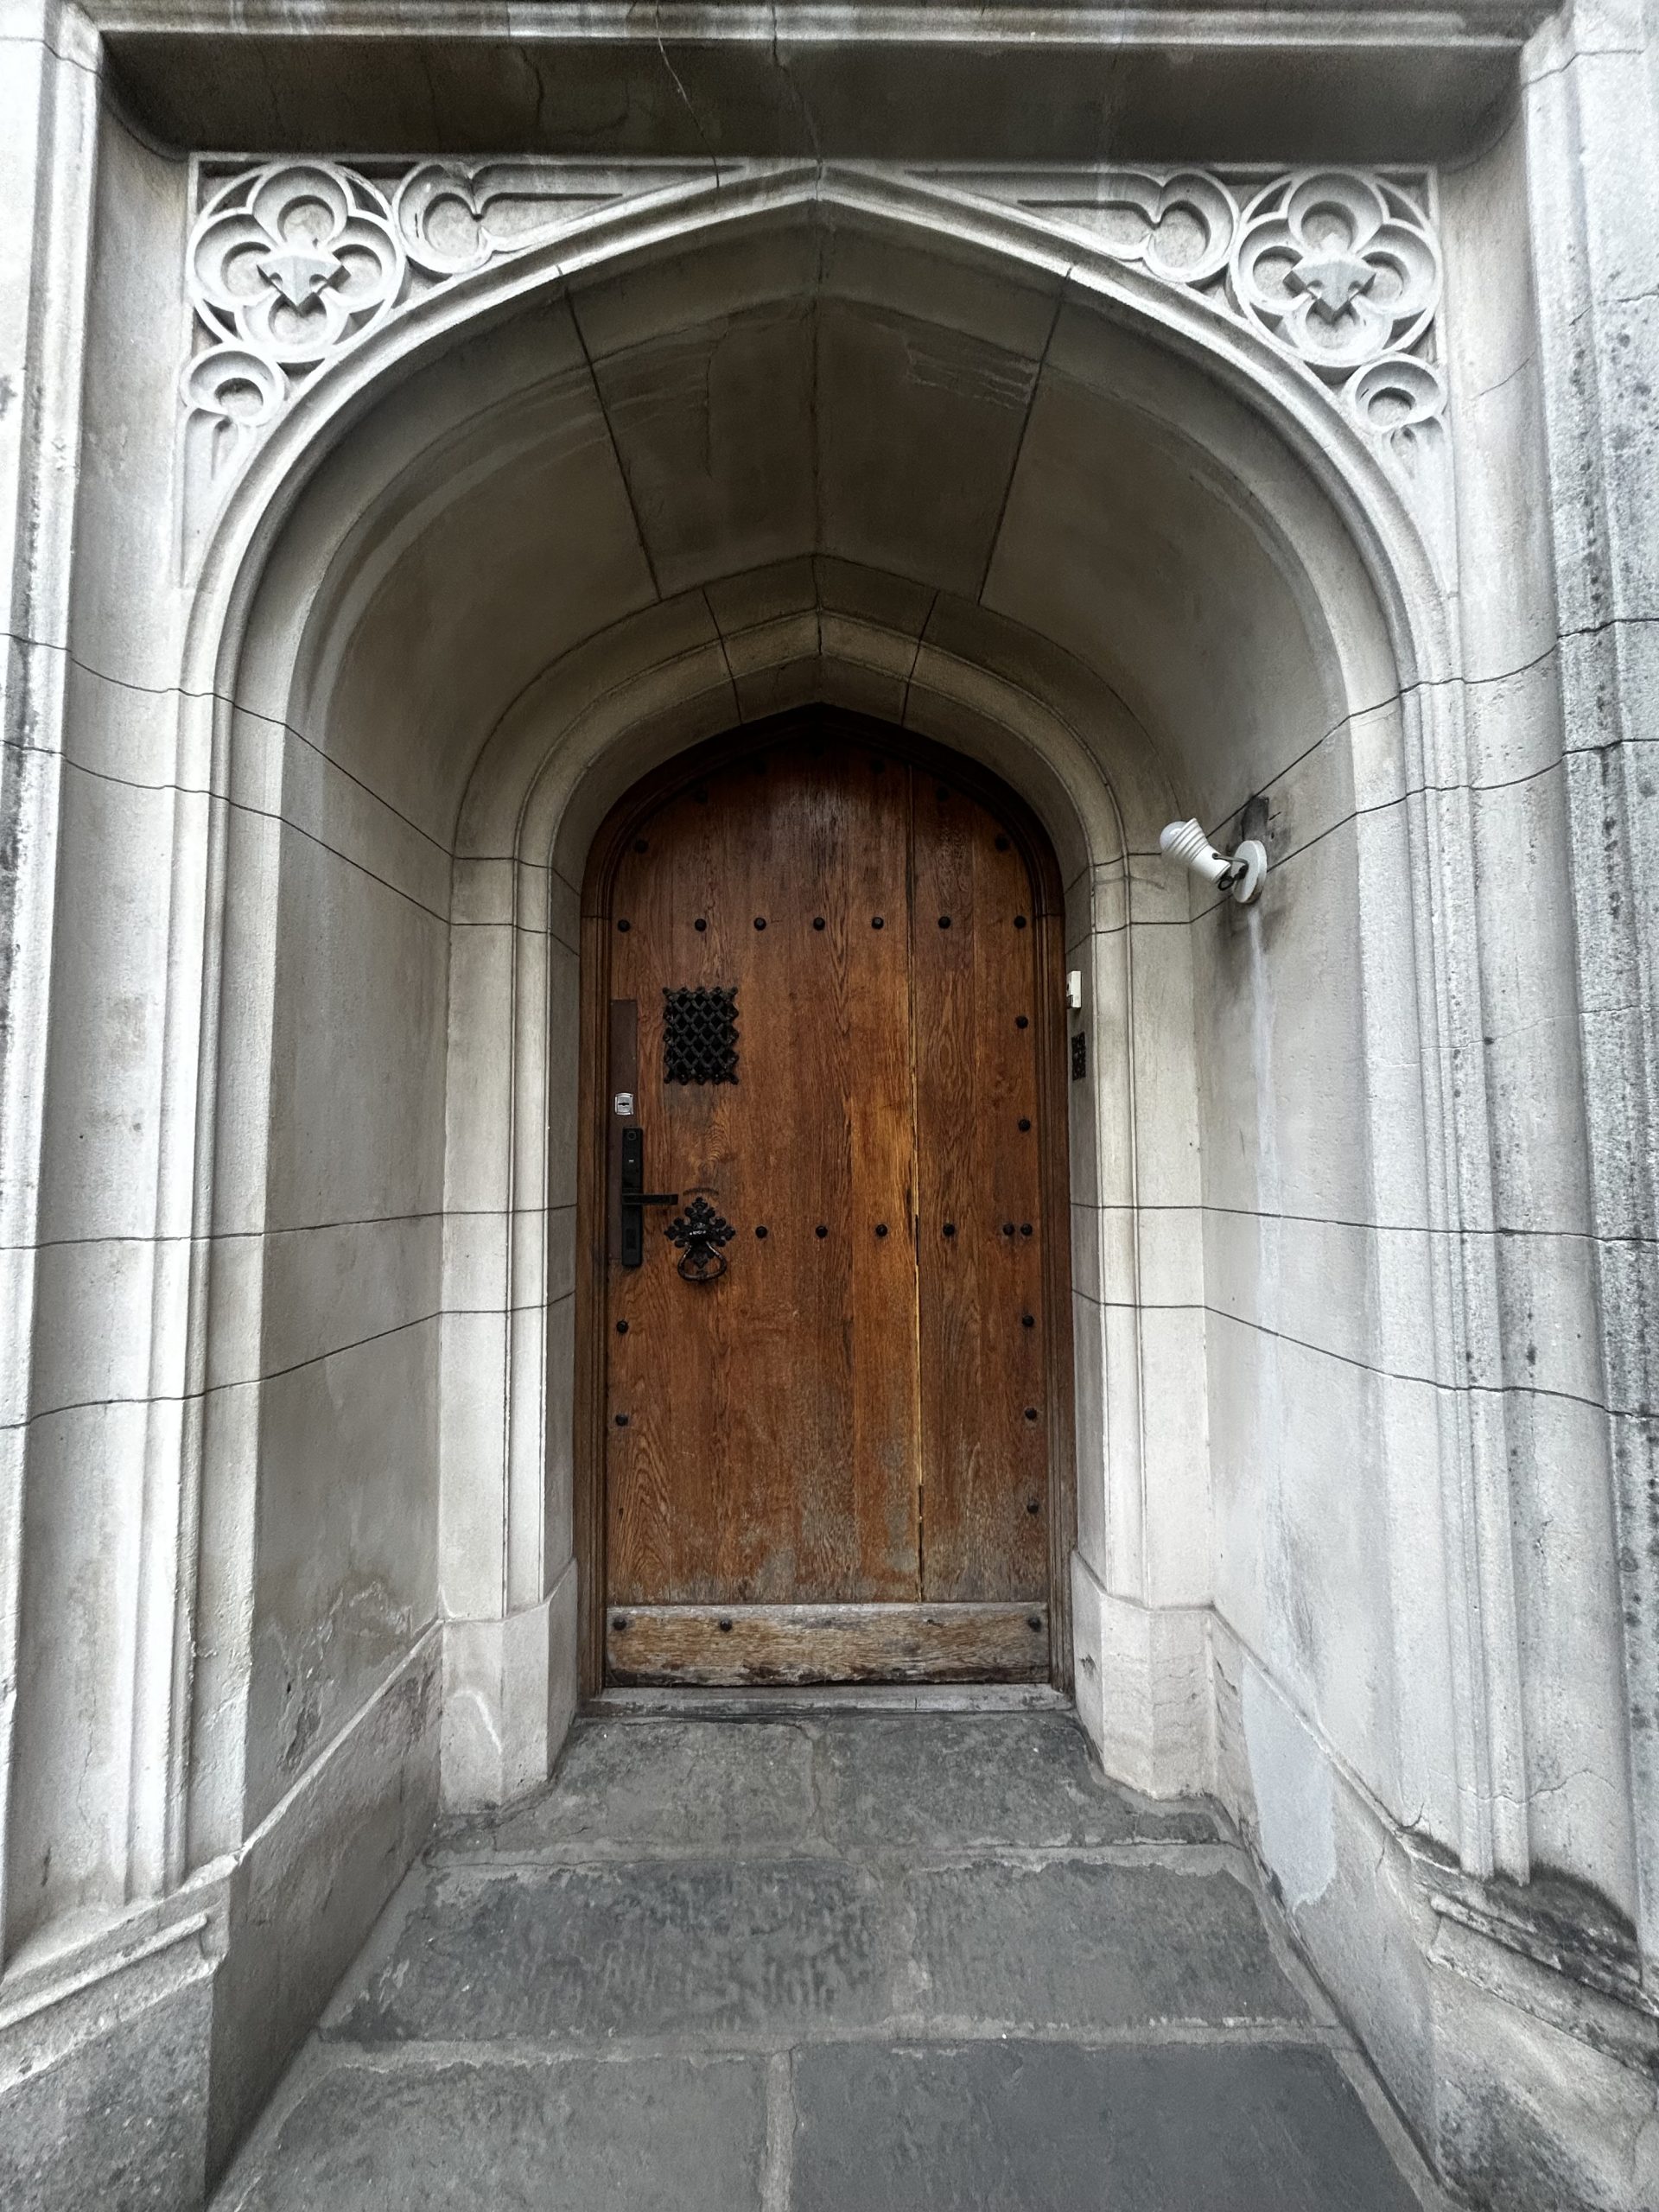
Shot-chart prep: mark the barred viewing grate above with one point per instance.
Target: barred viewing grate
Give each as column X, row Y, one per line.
column 700, row 1035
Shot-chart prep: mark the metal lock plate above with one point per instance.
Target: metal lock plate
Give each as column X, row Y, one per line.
column 635, row 1198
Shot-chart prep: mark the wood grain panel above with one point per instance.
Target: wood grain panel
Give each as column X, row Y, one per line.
column 767, row 1446
column 711, row 1645
column 982, row 1337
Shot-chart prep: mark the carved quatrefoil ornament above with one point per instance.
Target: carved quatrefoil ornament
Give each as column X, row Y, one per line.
column 288, row 264
column 1339, row 269
column 1336, row 266
column 293, row 260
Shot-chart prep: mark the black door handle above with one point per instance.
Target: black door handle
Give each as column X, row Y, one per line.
column 635, row 1198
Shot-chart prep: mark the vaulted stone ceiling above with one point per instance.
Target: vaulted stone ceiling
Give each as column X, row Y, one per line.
column 811, row 386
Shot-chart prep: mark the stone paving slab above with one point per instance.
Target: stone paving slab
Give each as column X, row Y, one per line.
column 659, row 1948
column 787, row 1949
column 625, row 1787
column 825, row 1962
column 1003, row 2125
column 1052, row 2127
column 947, row 1780
column 1071, row 1944
column 642, row 2134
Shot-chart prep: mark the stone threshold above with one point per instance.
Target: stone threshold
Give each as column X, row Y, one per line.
column 789, row 1703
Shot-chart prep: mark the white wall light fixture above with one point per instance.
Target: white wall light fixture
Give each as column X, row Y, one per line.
column 1239, row 873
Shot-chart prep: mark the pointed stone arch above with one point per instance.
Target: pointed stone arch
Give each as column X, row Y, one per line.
column 360, row 479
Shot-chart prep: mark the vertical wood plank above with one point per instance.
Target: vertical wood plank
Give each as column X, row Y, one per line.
column 768, row 1446
column 984, row 1428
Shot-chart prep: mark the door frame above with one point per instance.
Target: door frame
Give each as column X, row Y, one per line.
column 611, row 841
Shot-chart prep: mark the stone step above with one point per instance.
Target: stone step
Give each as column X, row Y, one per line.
column 796, row 1946
column 850, row 1782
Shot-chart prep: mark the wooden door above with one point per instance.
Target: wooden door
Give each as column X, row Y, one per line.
column 829, row 1418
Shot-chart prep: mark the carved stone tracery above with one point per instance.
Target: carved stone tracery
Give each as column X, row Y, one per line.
column 1345, row 272
column 293, row 262
column 1340, row 269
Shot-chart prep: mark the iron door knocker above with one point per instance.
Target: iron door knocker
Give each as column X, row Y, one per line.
column 700, row 1232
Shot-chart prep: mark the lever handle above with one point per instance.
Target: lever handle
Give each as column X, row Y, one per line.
column 634, row 1198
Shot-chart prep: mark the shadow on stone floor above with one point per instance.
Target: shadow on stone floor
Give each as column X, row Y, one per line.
column 831, row 1962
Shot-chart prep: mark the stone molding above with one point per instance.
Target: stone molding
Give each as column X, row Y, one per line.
column 293, row 261
column 1575, row 1943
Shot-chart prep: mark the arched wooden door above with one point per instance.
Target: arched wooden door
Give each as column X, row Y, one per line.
column 825, row 1221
